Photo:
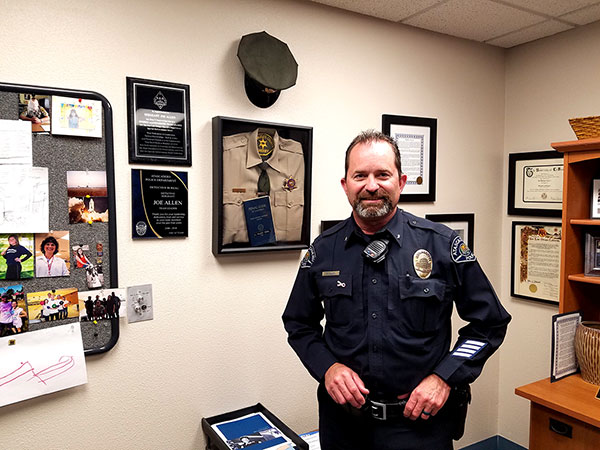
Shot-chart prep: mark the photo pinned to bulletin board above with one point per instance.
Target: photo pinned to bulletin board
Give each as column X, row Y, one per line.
column 76, row 117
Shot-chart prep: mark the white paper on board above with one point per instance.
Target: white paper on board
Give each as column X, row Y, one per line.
column 24, row 205
column 15, row 142
column 41, row 362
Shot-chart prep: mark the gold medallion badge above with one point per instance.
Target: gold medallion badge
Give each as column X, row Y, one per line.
column 423, row 263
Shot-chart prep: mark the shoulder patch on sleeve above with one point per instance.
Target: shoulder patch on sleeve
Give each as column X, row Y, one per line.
column 309, row 258
column 460, row 252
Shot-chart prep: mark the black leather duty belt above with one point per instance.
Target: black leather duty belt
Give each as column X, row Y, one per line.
column 385, row 410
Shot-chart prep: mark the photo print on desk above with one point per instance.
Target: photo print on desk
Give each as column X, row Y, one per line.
column 88, row 196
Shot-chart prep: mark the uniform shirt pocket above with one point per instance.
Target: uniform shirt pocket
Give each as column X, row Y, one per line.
column 336, row 294
column 421, row 304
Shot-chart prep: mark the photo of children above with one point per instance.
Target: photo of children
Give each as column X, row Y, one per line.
column 102, row 304
column 53, row 305
column 13, row 311
column 52, row 254
column 34, row 108
column 88, row 201
column 17, row 260
column 76, row 117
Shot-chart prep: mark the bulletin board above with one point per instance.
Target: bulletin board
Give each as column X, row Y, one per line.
column 67, row 154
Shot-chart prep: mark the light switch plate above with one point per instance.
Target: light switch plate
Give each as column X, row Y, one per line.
column 139, row 303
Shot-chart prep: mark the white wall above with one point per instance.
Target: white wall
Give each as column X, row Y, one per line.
column 547, row 82
column 217, row 342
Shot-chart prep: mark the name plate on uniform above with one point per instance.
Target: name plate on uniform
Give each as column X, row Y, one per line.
column 259, row 221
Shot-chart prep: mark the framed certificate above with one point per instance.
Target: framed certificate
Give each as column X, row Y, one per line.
column 417, row 141
column 535, row 264
column 535, row 183
column 158, row 116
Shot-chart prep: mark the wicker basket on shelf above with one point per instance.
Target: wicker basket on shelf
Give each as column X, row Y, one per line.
column 587, row 351
column 586, row 127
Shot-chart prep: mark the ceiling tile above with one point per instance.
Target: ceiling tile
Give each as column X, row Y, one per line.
column 473, row 19
column 538, row 31
column 583, row 16
column 393, row 10
column 551, row 7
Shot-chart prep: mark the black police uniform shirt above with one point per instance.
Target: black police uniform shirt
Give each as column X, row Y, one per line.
column 383, row 320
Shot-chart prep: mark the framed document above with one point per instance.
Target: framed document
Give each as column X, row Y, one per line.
column 535, row 183
column 564, row 360
column 535, row 263
column 595, row 207
column 417, row 140
column 159, row 203
column 463, row 224
column 262, row 179
column 158, row 116
column 592, row 254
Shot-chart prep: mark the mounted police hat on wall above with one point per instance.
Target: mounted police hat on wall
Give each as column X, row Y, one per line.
column 269, row 65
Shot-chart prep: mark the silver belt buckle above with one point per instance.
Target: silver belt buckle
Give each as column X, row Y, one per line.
column 378, row 410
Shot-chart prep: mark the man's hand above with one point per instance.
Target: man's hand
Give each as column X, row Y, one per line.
column 345, row 386
column 427, row 398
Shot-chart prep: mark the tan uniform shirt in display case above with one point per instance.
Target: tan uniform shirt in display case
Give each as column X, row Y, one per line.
column 241, row 171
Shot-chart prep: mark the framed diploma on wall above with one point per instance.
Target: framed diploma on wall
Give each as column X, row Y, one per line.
column 417, row 141
column 535, row 264
column 535, row 183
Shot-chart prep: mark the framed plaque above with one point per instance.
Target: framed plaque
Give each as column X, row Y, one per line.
column 535, row 183
column 463, row 224
column 262, row 179
column 158, row 115
column 159, row 203
column 592, row 254
column 417, row 140
column 535, row 263
column 595, row 206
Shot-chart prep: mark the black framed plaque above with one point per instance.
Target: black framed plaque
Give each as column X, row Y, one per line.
column 158, row 115
column 159, row 203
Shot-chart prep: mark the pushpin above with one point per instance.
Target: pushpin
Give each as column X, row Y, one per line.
column 79, row 100
column 95, row 322
column 87, row 195
column 90, row 221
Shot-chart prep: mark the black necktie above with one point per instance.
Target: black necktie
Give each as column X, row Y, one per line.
column 264, row 187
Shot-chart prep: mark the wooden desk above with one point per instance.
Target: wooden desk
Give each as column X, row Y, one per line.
column 563, row 415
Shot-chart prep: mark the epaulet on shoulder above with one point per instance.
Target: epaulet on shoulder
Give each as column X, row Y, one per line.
column 289, row 145
column 334, row 229
column 420, row 222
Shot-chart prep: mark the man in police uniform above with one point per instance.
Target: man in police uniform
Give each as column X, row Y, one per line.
column 386, row 282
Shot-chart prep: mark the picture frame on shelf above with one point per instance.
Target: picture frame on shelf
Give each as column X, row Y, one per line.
column 417, row 140
column 535, row 183
column 261, row 186
column 592, row 254
column 463, row 224
column 535, row 261
column 595, row 203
